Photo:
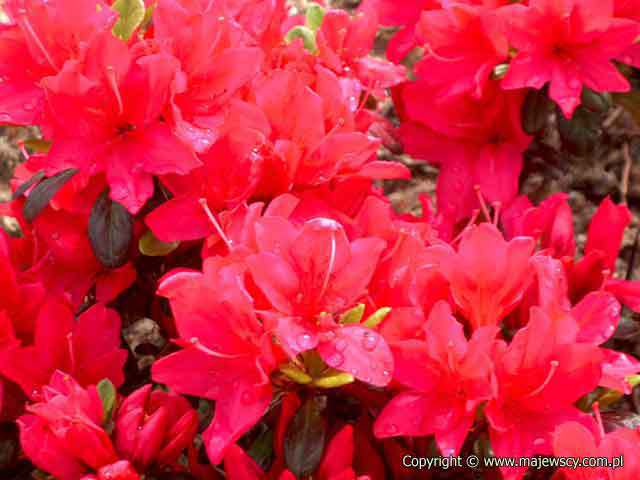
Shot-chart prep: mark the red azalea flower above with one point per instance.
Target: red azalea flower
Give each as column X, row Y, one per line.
column 540, row 375
column 477, row 143
column 154, row 427
column 319, row 273
column 488, row 275
column 432, row 369
column 117, row 122
column 573, row 440
column 44, row 39
column 568, row 44
column 226, row 351
column 86, row 347
column 63, row 433
column 463, row 45
column 215, row 62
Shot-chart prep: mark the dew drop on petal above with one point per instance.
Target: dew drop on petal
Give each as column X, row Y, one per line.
column 335, row 360
column 304, row 341
column 340, row 345
column 392, row 429
column 369, row 341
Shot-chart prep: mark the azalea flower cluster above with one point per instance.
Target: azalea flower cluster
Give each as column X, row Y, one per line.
column 214, row 162
column 481, row 58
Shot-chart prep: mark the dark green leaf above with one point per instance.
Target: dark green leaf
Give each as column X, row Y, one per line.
column 305, row 438
column 596, row 102
column 151, row 246
column 110, row 231
column 535, row 110
column 42, row 194
column 108, row 394
column 580, row 133
column 22, row 189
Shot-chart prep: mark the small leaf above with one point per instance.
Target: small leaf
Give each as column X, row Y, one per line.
column 132, row 13
column 305, row 438
column 42, row 194
column 261, row 449
column 314, row 16
column 38, row 145
column 306, row 34
column 535, row 111
column 108, row 394
column 22, row 189
column 296, row 374
column 630, row 101
column 499, row 71
column 595, row 102
column 110, row 231
column 334, row 380
column 581, row 133
column 377, row 317
column 150, row 246
column 354, row 315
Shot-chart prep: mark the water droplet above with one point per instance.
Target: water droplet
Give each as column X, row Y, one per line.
column 194, row 340
column 322, row 223
column 139, row 427
column 538, row 441
column 354, row 372
column 55, row 236
column 335, row 360
column 340, row 345
column 369, row 341
column 385, row 373
column 392, row 429
column 246, row 397
column 305, row 342
column 574, row 83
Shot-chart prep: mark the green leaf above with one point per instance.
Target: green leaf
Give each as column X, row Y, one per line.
column 150, row 246
column 108, row 395
column 581, row 133
column 296, row 374
column 110, row 231
column 334, row 380
column 306, row 34
column 305, row 438
column 354, row 315
column 314, row 16
column 377, row 317
column 22, row 189
column 132, row 13
column 38, row 145
column 535, row 110
column 42, row 194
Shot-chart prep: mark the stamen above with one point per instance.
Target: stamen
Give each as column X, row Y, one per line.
column 339, row 124
column 552, row 371
column 483, row 204
column 23, row 150
column 113, row 83
column 596, row 413
column 72, row 355
column 365, row 98
column 29, row 28
column 496, row 212
column 216, row 225
column 199, row 346
column 472, row 220
column 332, row 259
column 430, row 52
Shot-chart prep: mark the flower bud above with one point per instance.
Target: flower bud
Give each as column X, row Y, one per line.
column 154, row 427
